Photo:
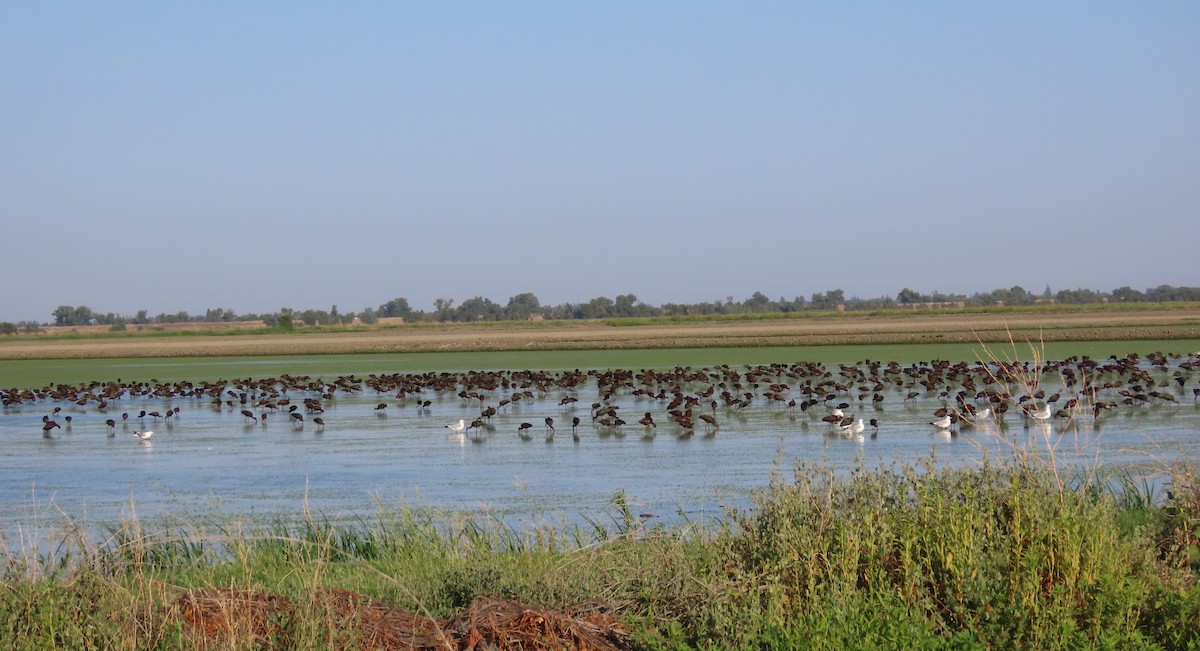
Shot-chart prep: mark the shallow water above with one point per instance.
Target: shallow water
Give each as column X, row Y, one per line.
column 212, row 462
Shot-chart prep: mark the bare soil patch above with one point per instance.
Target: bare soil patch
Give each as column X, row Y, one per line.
column 221, row 618
column 843, row 329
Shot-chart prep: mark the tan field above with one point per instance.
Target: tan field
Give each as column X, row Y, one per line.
column 815, row 330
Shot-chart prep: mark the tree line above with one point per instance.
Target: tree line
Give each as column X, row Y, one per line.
column 527, row 306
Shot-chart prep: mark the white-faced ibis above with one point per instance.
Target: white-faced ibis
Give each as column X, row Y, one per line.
column 476, row 425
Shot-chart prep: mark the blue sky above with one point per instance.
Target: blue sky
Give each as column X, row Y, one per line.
column 185, row 156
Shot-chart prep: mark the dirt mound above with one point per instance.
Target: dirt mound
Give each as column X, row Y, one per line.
column 221, row 618
column 491, row 622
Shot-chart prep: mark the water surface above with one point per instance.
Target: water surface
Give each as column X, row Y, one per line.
column 212, row 462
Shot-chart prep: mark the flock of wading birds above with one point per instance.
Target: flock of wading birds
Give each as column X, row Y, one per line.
column 688, row 398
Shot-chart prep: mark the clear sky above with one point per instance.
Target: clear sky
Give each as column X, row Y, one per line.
column 255, row 155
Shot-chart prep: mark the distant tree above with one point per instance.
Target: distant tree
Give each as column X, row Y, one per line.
column 442, row 306
column 522, row 306
column 600, row 307
column 478, row 309
column 758, row 303
column 797, row 304
column 1078, row 296
column 628, row 305
column 179, row 317
column 908, row 296
column 560, row 312
column 284, row 321
column 1018, row 295
column 1015, row 295
column 63, row 315
column 218, row 314
column 828, row 300
column 66, row 315
column 7, row 328
column 315, row 317
column 1171, row 293
column 1127, row 294
column 399, row 307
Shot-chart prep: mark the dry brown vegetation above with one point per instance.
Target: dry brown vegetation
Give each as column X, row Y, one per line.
column 827, row 330
column 229, row 618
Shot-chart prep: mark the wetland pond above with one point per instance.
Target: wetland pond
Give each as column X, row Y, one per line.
column 208, row 462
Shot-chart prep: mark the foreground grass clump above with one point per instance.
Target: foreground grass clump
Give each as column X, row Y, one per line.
column 996, row 557
column 935, row 558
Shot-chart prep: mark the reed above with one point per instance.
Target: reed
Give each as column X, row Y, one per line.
column 1005, row 555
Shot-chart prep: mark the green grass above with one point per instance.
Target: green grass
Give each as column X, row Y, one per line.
column 907, row 557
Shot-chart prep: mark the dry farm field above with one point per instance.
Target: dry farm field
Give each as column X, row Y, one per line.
column 609, row 335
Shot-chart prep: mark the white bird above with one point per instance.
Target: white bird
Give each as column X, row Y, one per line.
column 459, row 428
column 943, row 423
column 979, row 417
column 853, row 429
column 1041, row 414
column 145, row 436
